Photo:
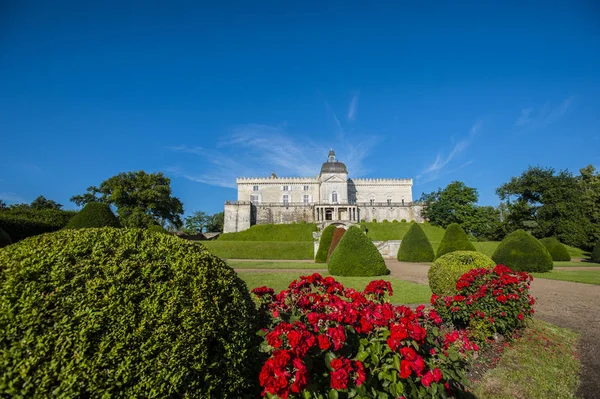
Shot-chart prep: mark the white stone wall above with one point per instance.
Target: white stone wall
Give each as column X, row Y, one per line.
column 280, row 214
column 334, row 183
column 237, row 217
column 380, row 190
column 271, row 190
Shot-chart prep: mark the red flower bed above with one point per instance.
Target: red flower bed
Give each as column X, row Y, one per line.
column 324, row 339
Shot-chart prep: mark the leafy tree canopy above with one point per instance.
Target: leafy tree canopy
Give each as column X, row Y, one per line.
column 216, row 222
column 42, row 203
column 142, row 199
column 196, row 222
column 453, row 204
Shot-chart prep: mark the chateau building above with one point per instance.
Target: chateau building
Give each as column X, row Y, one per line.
column 328, row 198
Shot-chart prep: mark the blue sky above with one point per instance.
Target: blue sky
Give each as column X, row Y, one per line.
column 204, row 93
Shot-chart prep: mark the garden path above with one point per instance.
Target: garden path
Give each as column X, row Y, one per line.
column 572, row 305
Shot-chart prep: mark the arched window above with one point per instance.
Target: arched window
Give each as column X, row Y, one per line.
column 334, row 197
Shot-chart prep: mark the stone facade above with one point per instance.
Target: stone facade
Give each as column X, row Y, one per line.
column 331, row 196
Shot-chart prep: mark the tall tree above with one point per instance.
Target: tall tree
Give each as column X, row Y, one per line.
column 141, row 198
column 453, row 204
column 216, row 222
column 196, row 222
column 42, row 203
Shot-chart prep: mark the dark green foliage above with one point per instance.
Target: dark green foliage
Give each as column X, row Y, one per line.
column 324, row 244
column 521, row 251
column 157, row 229
column 453, row 204
column 337, row 236
column 557, row 250
column 100, row 313
column 4, row 239
column 455, row 239
column 596, row 253
column 94, row 214
column 447, row 269
column 356, row 255
column 22, row 221
column 273, row 232
column 415, row 246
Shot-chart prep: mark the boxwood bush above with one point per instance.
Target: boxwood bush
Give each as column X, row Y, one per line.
column 596, row 253
column 337, row 236
column 25, row 222
column 454, row 239
column 356, row 255
column 415, row 246
column 521, row 251
column 324, row 244
column 94, row 214
column 99, row 313
column 4, row 239
column 557, row 250
column 447, row 269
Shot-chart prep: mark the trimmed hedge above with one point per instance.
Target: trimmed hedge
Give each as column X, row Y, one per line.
column 557, row 250
column 447, row 269
column 455, row 239
column 521, row 251
column 273, row 232
column 123, row 313
column 337, row 236
column 596, row 253
column 324, row 244
column 4, row 239
column 20, row 223
column 94, row 214
column 356, row 255
column 415, row 247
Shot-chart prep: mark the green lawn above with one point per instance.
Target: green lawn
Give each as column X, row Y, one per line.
column 539, row 365
column 273, row 232
column 404, row 292
column 576, row 276
column 261, row 249
column 576, row 264
column 265, row 264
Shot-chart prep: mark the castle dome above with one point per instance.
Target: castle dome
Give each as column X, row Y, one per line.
column 332, row 165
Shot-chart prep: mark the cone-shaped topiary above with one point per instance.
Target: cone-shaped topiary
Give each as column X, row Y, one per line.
column 109, row 312
column 337, row 236
column 454, row 239
column 94, row 214
column 521, row 251
column 324, row 244
column 356, row 255
column 4, row 239
column 596, row 253
column 447, row 269
column 415, row 246
column 557, row 250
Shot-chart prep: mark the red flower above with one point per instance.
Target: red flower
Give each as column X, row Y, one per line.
column 324, row 342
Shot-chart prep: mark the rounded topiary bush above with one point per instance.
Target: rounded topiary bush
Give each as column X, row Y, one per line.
column 415, row 246
column 557, row 250
column 324, row 244
column 596, row 253
column 356, row 255
column 447, row 269
column 521, row 251
column 4, row 239
column 94, row 214
column 454, row 239
column 337, row 237
column 123, row 313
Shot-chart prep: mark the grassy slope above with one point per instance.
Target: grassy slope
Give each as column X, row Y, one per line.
column 404, row 291
column 576, row 264
column 273, row 232
column 265, row 264
column 540, row 364
column 261, row 249
column 396, row 231
column 576, row 276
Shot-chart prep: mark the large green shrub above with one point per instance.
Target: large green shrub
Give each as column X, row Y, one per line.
column 596, row 253
column 324, row 244
column 521, row 251
column 94, row 214
column 337, row 237
column 23, row 222
column 100, row 313
column 356, row 255
column 557, row 250
column 455, row 239
column 415, row 246
column 447, row 269
column 4, row 238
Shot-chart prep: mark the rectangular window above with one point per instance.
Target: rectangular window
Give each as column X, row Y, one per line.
column 305, row 188
column 286, row 188
column 402, row 201
column 254, row 199
column 389, row 201
column 286, row 199
column 254, row 188
column 306, row 198
column 372, row 201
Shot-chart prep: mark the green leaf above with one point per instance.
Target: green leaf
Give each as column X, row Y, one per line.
column 333, row 394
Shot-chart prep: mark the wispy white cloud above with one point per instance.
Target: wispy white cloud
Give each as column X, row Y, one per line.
column 12, row 197
column 353, row 107
column 547, row 113
column 255, row 150
column 440, row 166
